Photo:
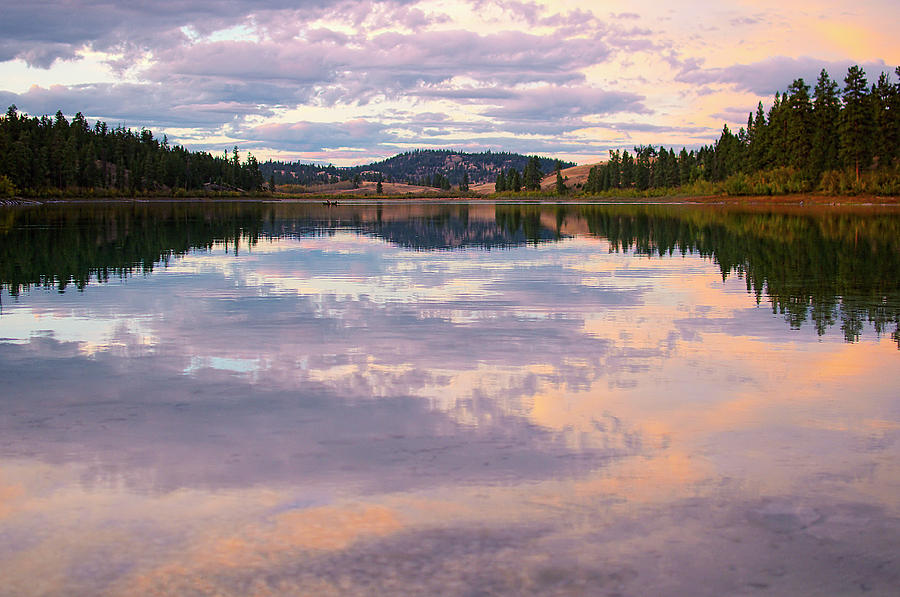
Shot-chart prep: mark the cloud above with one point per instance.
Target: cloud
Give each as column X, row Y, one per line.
column 773, row 74
column 328, row 69
column 646, row 127
column 318, row 136
column 64, row 27
column 323, row 410
column 136, row 104
column 300, row 62
column 738, row 21
column 553, row 102
column 165, row 441
column 736, row 114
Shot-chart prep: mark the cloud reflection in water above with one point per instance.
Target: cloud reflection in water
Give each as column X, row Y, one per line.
column 335, row 413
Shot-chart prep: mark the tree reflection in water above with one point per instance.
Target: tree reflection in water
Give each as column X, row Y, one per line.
column 823, row 266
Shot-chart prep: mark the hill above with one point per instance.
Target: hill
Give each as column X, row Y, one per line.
column 574, row 177
column 418, row 167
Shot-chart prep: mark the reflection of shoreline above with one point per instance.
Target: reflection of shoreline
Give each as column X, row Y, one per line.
column 793, row 199
column 827, row 266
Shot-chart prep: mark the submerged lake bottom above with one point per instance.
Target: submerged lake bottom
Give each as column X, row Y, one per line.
column 449, row 399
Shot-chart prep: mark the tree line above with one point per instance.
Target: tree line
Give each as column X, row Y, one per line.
column 47, row 156
column 831, row 138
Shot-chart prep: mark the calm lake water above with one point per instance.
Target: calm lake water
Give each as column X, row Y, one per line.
column 409, row 399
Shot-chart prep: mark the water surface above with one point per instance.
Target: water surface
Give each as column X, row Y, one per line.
column 269, row 399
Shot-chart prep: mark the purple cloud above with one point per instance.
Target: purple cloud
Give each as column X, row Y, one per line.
column 644, row 127
column 62, row 27
column 319, row 136
column 551, row 102
column 136, row 105
column 773, row 74
column 241, row 60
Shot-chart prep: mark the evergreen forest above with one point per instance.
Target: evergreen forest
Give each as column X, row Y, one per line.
column 52, row 156
column 831, row 139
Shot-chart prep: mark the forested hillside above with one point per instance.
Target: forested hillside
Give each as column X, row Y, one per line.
column 426, row 167
column 836, row 140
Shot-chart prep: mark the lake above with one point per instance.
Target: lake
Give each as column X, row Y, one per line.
column 458, row 399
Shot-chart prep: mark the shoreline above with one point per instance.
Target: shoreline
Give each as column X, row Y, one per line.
column 734, row 200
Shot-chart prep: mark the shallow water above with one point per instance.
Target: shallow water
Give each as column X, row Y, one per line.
column 256, row 399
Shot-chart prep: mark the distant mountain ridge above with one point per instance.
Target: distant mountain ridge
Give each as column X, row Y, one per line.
column 419, row 167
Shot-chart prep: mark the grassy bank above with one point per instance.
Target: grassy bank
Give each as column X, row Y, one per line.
column 778, row 185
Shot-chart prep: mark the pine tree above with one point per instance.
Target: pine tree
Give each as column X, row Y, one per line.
column 672, row 177
column 560, row 183
column 615, row 169
column 514, row 182
column 727, row 155
column 684, row 166
column 825, row 115
column 627, row 175
column 642, row 168
column 758, row 141
column 532, row 174
column 855, row 123
column 885, row 141
column 893, row 121
column 592, row 185
column 799, row 125
column 777, row 150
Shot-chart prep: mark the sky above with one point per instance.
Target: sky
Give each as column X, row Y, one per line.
column 354, row 81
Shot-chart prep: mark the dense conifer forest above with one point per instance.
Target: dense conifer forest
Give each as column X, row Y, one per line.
column 52, row 156
column 828, row 139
